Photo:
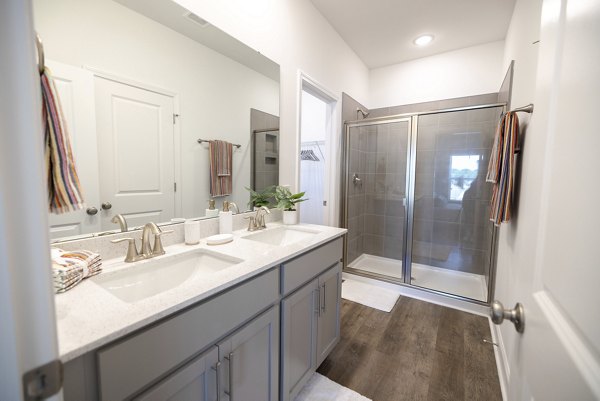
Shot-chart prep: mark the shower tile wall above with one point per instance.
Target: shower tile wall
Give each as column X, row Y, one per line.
column 376, row 206
column 451, row 225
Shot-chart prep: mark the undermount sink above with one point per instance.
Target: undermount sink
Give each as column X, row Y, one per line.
column 147, row 279
column 282, row 235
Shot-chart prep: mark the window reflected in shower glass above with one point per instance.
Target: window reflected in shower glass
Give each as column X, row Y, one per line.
column 463, row 171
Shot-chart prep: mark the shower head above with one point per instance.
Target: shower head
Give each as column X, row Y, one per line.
column 364, row 113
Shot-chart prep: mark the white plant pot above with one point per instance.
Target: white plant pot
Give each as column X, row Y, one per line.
column 290, row 217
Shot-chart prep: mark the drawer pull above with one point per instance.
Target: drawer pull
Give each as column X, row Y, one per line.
column 217, row 369
column 323, row 306
column 230, row 360
column 318, row 301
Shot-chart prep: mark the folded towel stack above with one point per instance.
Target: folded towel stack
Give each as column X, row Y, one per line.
column 70, row 267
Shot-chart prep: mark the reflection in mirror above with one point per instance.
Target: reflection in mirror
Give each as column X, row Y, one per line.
column 265, row 150
column 140, row 82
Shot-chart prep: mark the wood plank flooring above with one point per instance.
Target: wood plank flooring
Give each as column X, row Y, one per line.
column 418, row 351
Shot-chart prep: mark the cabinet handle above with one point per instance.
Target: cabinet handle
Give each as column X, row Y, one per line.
column 318, row 302
column 230, row 360
column 217, row 369
column 323, row 306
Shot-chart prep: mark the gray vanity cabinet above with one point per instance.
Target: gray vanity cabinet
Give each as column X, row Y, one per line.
column 311, row 329
column 310, row 314
column 249, row 361
column 328, row 325
column 197, row 381
column 298, row 339
column 259, row 340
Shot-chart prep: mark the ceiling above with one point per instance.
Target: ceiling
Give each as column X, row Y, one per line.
column 381, row 32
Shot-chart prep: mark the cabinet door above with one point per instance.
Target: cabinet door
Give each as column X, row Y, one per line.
column 250, row 360
column 328, row 326
column 196, row 381
column 299, row 322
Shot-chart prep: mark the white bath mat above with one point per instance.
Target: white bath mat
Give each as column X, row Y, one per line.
column 370, row 295
column 320, row 388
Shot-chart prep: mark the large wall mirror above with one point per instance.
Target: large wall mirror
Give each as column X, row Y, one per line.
column 140, row 82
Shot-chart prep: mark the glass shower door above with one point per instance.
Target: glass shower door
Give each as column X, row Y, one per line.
column 376, row 188
column 451, row 234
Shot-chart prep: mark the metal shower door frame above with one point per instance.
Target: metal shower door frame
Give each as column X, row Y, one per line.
column 413, row 118
column 406, row 261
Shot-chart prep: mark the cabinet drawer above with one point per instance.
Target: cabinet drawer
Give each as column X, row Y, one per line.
column 132, row 364
column 298, row 271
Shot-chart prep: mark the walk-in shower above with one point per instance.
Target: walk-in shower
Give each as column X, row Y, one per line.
column 416, row 203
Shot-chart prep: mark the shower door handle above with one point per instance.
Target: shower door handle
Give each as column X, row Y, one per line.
column 356, row 180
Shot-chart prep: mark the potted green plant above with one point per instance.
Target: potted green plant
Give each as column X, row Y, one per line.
column 261, row 198
column 287, row 201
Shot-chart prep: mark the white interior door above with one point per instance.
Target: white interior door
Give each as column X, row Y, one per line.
column 317, row 126
column 560, row 348
column 75, row 88
column 135, row 148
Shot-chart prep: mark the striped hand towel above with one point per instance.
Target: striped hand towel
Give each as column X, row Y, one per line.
column 64, row 189
column 502, row 166
column 221, row 176
column 70, row 268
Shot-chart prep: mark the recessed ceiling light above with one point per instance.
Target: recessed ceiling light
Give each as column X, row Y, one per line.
column 423, row 40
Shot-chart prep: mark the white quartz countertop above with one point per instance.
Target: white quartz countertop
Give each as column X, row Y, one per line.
column 89, row 317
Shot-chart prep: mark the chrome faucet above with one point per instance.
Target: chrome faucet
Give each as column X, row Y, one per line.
column 120, row 219
column 149, row 228
column 260, row 217
column 147, row 252
column 257, row 222
column 237, row 209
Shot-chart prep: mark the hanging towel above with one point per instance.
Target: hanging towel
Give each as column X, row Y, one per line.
column 64, row 189
column 70, row 268
column 502, row 166
column 220, row 167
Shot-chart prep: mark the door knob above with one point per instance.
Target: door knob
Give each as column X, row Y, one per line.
column 106, row 205
column 515, row 315
column 91, row 211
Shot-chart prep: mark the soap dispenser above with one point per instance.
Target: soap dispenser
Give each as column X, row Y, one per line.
column 211, row 211
column 225, row 219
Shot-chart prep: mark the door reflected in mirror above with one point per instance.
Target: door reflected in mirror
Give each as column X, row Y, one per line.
column 140, row 82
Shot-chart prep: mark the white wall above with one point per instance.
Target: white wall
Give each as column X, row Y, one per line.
column 518, row 239
column 465, row 72
column 296, row 36
column 215, row 93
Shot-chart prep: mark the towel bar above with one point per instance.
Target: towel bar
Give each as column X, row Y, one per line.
column 525, row 109
column 40, row 52
column 206, row 140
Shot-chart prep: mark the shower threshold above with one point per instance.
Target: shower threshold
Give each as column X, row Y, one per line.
column 468, row 285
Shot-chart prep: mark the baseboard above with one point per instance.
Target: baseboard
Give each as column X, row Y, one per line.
column 501, row 359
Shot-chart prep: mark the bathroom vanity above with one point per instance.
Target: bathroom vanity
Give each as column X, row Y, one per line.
column 254, row 329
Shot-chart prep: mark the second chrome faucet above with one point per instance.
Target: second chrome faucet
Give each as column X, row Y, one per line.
column 257, row 222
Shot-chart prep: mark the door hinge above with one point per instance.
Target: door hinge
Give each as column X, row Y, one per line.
column 43, row 381
column 174, row 187
column 175, row 117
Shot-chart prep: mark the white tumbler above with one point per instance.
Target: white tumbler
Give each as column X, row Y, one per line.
column 192, row 232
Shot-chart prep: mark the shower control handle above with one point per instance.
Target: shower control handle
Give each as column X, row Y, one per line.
column 515, row 315
column 356, row 180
